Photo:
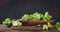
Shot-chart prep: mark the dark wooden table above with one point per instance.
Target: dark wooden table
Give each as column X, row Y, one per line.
column 4, row 29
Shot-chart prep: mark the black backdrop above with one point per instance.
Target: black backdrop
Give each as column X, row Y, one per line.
column 16, row 8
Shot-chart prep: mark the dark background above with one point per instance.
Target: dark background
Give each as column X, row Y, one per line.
column 16, row 8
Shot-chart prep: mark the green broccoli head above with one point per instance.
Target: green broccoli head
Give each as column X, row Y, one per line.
column 47, row 16
column 7, row 22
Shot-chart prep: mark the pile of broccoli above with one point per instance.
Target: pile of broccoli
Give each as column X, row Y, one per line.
column 37, row 16
column 9, row 22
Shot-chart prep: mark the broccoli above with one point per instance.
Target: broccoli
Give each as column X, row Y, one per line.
column 47, row 16
column 7, row 22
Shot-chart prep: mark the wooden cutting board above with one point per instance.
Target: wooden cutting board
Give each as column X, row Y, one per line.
column 27, row 28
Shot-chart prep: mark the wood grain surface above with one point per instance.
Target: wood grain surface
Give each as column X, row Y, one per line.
column 4, row 29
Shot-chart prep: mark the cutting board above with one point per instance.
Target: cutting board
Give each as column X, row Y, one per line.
column 34, row 28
